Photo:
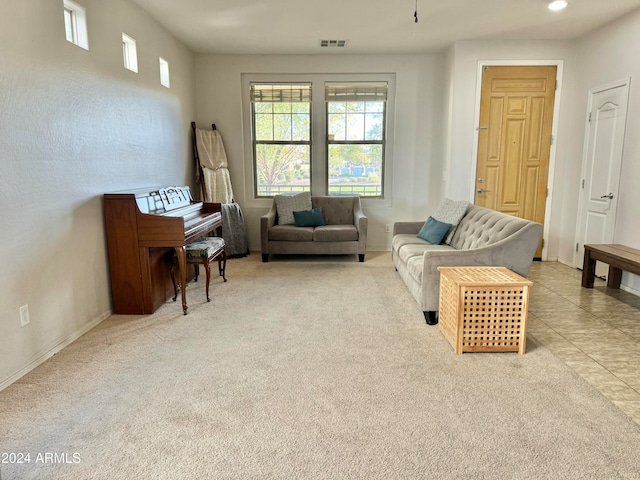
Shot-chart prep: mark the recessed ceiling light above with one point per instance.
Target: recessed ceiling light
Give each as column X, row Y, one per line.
column 557, row 5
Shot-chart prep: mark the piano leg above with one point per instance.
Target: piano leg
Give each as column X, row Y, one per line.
column 181, row 254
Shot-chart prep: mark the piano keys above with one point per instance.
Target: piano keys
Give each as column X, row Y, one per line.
column 144, row 229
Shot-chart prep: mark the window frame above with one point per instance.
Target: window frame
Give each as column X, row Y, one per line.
column 165, row 79
column 129, row 53
column 256, row 142
column 381, row 142
column 318, row 173
column 75, row 24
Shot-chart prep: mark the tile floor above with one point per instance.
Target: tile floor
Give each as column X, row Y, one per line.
column 595, row 331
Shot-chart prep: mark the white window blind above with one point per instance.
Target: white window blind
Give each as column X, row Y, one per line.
column 356, row 92
column 280, row 93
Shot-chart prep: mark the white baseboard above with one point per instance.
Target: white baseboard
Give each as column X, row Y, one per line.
column 43, row 357
column 633, row 291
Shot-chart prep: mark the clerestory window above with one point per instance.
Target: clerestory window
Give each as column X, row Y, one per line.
column 129, row 53
column 75, row 24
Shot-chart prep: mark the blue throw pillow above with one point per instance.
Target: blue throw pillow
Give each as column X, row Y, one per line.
column 309, row 218
column 434, row 231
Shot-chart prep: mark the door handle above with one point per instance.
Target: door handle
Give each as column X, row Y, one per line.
column 482, row 190
column 609, row 196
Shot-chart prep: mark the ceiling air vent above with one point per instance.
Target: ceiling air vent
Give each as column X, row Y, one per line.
column 333, row 43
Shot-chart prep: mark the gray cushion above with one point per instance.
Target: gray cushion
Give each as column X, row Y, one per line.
column 402, row 239
column 291, row 233
column 409, row 251
column 335, row 233
column 287, row 204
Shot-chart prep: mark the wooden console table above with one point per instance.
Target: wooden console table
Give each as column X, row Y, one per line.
column 619, row 258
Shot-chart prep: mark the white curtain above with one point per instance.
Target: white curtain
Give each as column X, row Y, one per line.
column 213, row 160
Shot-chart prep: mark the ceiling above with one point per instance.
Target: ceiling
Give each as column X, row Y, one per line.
column 371, row 26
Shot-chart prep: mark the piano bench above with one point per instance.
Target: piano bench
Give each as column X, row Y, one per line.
column 203, row 252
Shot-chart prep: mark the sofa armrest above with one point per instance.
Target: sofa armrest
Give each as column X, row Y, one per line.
column 407, row 227
column 267, row 221
column 361, row 223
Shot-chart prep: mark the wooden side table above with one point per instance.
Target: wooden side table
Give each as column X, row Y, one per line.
column 483, row 309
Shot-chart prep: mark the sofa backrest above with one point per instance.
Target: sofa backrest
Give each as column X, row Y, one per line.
column 482, row 226
column 336, row 210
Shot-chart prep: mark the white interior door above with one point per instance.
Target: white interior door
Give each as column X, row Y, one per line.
column 602, row 161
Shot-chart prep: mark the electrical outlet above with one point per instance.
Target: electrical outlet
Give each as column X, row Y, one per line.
column 24, row 315
column 387, row 228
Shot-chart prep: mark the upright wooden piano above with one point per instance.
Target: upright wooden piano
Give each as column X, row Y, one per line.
column 144, row 229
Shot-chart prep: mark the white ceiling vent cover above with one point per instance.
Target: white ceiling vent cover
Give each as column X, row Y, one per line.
column 333, row 43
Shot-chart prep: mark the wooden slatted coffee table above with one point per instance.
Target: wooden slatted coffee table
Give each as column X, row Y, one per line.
column 483, row 309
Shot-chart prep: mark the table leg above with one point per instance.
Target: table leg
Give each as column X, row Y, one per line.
column 181, row 254
column 588, row 269
column 614, row 278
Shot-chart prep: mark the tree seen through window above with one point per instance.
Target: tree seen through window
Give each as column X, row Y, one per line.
column 282, row 138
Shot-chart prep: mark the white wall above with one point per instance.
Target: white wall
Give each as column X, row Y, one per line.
column 417, row 157
column 75, row 124
column 603, row 56
column 465, row 57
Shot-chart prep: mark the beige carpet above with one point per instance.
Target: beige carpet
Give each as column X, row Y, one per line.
column 305, row 368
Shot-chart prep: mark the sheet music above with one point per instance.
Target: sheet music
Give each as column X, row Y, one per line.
column 174, row 197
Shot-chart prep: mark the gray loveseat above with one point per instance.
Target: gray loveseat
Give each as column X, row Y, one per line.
column 483, row 237
column 344, row 232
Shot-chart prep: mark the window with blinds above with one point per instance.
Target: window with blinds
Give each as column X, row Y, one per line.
column 356, row 113
column 281, row 136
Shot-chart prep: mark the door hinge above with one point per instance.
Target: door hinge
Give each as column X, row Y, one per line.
column 589, row 116
column 551, row 140
column 576, row 247
column 542, row 243
column 583, row 183
column 556, row 84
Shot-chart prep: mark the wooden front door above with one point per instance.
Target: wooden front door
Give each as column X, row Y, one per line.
column 514, row 140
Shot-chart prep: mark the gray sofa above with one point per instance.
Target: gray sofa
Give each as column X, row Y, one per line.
column 483, row 237
column 344, row 232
